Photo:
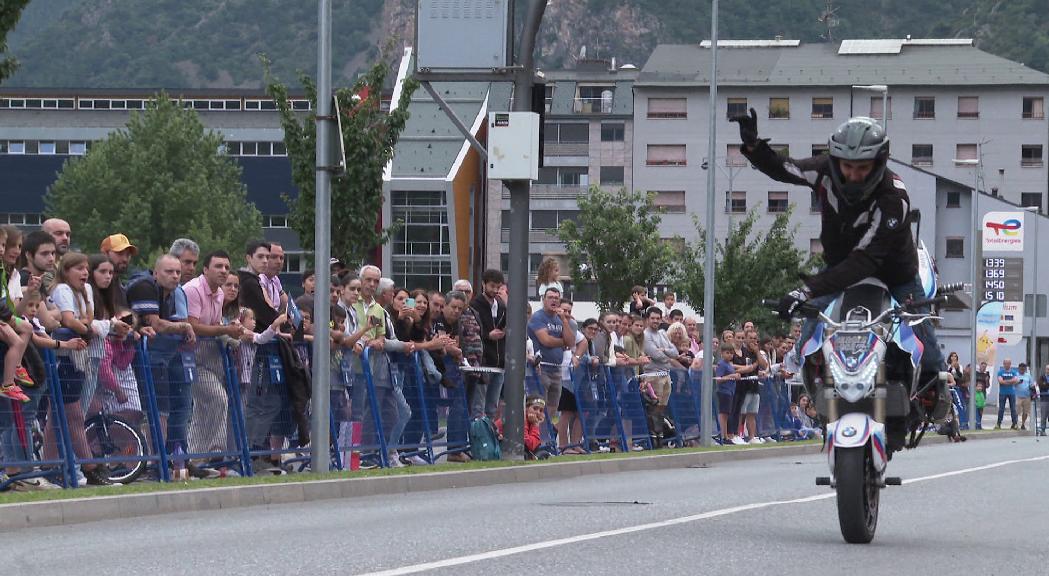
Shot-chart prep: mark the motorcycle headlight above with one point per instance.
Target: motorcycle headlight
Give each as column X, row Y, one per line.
column 853, row 364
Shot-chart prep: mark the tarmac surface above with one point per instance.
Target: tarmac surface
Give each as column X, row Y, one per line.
column 965, row 508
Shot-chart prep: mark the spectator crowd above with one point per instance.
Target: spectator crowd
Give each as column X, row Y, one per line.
column 83, row 337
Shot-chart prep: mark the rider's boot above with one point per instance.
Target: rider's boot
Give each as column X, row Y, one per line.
column 895, row 434
column 935, row 399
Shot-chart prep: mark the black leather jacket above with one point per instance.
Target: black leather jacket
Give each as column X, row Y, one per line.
column 872, row 238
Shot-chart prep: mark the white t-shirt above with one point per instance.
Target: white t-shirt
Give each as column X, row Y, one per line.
column 547, row 285
column 14, row 285
column 66, row 300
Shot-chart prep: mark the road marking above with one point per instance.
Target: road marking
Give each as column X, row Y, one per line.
column 471, row 558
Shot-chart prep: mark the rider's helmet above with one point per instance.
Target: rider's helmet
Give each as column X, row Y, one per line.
column 859, row 138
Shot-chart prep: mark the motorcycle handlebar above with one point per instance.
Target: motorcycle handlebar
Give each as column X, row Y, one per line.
column 950, row 288
column 940, row 300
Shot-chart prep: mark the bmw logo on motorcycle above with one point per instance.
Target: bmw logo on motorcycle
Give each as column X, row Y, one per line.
column 848, row 432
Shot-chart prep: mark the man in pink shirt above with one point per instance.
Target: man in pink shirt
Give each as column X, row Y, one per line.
column 207, row 432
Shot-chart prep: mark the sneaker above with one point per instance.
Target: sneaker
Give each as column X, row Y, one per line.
column 201, row 473
column 23, row 378
column 99, row 476
column 458, row 457
column 13, row 392
column 1023, row 427
column 738, row 441
column 770, row 440
column 415, row 460
column 394, row 460
column 637, row 448
column 1013, row 427
column 81, row 480
column 998, row 427
column 33, row 485
column 755, row 440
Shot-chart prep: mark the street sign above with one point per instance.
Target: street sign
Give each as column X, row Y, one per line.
column 1003, row 231
column 1001, row 279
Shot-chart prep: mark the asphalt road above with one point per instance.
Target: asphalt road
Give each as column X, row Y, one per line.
column 965, row 508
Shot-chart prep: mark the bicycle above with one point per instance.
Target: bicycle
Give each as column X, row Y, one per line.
column 119, row 443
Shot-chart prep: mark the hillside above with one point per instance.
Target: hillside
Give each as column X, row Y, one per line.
column 214, row 43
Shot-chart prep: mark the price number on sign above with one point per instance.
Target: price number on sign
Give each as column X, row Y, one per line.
column 994, row 296
column 994, row 273
column 994, row 263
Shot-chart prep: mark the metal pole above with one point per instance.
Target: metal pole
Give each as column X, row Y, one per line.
column 974, row 229
column 319, row 439
column 706, row 420
column 885, row 110
column 513, row 392
column 1033, row 368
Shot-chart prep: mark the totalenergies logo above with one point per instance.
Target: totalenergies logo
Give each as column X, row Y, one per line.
column 1010, row 227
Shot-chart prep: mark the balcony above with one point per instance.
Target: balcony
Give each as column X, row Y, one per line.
column 593, row 105
column 545, row 236
column 552, row 192
column 566, row 148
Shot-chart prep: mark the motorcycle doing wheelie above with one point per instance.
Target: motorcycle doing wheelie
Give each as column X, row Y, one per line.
column 862, row 368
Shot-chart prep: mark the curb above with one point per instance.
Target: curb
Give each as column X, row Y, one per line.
column 76, row 511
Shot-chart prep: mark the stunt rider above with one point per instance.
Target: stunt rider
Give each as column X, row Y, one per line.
column 865, row 230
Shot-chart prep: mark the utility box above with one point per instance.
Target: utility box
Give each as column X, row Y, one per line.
column 463, row 35
column 513, row 145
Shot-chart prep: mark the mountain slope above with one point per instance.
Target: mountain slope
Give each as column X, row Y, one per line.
column 213, row 43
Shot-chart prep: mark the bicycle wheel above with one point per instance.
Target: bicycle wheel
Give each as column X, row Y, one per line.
column 117, row 438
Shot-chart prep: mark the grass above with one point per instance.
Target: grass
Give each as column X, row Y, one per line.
column 148, row 487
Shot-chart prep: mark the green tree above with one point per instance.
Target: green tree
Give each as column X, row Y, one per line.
column 369, row 136
column 10, row 12
column 750, row 265
column 160, row 178
column 615, row 244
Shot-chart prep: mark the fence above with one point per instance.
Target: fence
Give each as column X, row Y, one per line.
column 162, row 410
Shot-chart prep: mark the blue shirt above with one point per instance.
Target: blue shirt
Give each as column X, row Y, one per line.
column 1007, row 389
column 1023, row 389
column 552, row 323
column 725, row 369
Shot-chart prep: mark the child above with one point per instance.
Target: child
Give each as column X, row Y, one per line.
column 981, row 401
column 535, row 415
column 117, row 375
column 250, row 341
column 725, row 375
column 15, row 334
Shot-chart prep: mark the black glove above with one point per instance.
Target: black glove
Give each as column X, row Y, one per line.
column 748, row 128
column 789, row 303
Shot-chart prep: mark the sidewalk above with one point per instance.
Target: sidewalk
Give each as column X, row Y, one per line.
column 90, row 509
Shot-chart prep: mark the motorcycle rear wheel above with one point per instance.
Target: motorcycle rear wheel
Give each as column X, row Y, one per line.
column 858, row 494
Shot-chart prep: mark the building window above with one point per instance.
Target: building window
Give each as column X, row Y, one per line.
column 822, row 107
column 670, row 201
column 966, row 152
column 779, row 108
column 968, row 107
column 504, row 220
column 77, row 148
column 47, row 148
column 567, row 133
column 428, row 273
column 422, row 232
column 612, row 175
column 818, row 149
column 666, row 155
column 877, row 108
column 275, row 221
column 815, row 246
column 548, row 97
column 1034, row 107
column 954, row 199
column 613, row 132
column 544, row 220
column 734, row 156
column 815, row 202
column 924, row 107
column 1031, row 155
column 564, row 176
column 1029, row 199
column 955, row 247
column 668, row 108
column 15, row 147
column 735, row 202
column 921, row 154
column 778, row 201
column 594, row 100
column 293, row 263
column 736, row 107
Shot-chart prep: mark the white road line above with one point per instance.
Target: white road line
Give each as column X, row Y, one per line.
column 468, row 559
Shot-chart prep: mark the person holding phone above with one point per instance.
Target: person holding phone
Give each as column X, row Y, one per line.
column 491, row 314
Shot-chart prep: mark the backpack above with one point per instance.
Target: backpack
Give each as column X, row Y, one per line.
column 484, row 442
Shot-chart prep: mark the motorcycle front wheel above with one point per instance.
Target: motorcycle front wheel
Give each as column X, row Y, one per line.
column 858, row 492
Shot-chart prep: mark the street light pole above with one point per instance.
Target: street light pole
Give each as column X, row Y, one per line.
column 1033, row 366
column 884, row 90
column 706, row 419
column 319, row 402
column 974, row 228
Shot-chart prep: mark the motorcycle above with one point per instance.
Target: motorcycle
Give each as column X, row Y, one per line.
column 861, row 366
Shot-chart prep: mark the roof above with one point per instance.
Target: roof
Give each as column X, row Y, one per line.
column 921, row 62
column 430, row 143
